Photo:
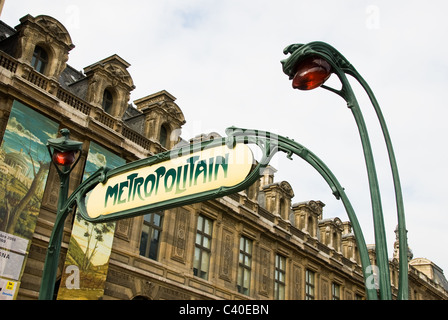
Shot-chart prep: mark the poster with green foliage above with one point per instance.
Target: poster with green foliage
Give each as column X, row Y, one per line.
column 86, row 264
column 24, row 165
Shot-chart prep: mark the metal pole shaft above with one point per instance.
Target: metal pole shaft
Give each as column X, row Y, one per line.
column 54, row 245
column 403, row 285
column 378, row 220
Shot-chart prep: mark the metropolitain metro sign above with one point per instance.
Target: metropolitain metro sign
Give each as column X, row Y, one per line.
column 167, row 180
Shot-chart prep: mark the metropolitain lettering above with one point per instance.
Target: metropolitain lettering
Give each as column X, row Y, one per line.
column 167, row 180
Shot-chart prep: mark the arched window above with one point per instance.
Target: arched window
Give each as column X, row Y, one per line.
column 108, row 100
column 40, row 59
column 164, row 136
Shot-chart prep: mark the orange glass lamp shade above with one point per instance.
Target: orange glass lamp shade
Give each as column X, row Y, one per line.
column 311, row 73
column 64, row 158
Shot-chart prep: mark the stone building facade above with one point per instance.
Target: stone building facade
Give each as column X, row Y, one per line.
column 255, row 244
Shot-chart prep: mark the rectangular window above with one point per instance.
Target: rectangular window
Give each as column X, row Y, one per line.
column 244, row 265
column 309, row 285
column 336, row 291
column 279, row 282
column 202, row 250
column 149, row 240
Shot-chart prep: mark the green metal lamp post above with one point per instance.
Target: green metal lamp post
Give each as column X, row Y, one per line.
column 63, row 153
column 309, row 66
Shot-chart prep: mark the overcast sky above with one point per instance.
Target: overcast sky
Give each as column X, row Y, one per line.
column 221, row 60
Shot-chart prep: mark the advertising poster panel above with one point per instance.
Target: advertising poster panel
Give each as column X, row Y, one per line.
column 86, row 264
column 24, row 165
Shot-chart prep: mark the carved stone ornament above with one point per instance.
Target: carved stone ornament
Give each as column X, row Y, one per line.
column 286, row 187
column 55, row 30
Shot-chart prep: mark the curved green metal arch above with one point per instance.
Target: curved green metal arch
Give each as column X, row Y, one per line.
column 280, row 143
column 268, row 142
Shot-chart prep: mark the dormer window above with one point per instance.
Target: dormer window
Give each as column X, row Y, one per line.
column 40, row 59
column 163, row 136
column 108, row 101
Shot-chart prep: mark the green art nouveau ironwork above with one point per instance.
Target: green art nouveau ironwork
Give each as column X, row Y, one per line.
column 269, row 145
column 342, row 67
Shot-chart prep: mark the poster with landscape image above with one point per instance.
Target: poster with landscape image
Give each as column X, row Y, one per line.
column 24, row 166
column 86, row 264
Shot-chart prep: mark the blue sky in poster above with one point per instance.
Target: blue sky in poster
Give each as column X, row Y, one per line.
column 28, row 130
column 99, row 157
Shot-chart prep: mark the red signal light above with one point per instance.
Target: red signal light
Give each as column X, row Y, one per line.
column 311, row 73
column 63, row 158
